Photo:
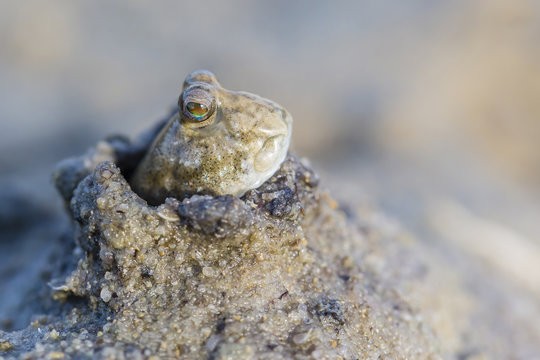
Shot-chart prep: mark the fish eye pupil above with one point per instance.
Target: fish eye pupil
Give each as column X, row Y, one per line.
column 197, row 110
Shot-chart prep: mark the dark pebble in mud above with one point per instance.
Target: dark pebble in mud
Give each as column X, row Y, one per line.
column 217, row 216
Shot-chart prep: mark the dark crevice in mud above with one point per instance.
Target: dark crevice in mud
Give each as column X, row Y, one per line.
column 326, row 308
column 129, row 154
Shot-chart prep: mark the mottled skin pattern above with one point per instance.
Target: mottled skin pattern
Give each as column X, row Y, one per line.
column 237, row 148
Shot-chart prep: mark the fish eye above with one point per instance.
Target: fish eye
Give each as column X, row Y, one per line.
column 197, row 104
column 197, row 110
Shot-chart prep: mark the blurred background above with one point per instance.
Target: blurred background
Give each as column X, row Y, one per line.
column 428, row 110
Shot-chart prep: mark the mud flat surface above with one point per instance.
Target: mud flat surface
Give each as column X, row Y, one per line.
column 282, row 272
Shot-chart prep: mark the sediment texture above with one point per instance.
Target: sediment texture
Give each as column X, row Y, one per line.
column 280, row 273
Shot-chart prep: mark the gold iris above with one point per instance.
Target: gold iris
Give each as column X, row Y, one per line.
column 197, row 104
column 197, row 110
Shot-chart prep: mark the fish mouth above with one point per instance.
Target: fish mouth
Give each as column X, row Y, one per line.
column 276, row 145
column 270, row 153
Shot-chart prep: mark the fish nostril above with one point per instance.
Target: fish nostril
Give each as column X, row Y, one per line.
column 286, row 117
